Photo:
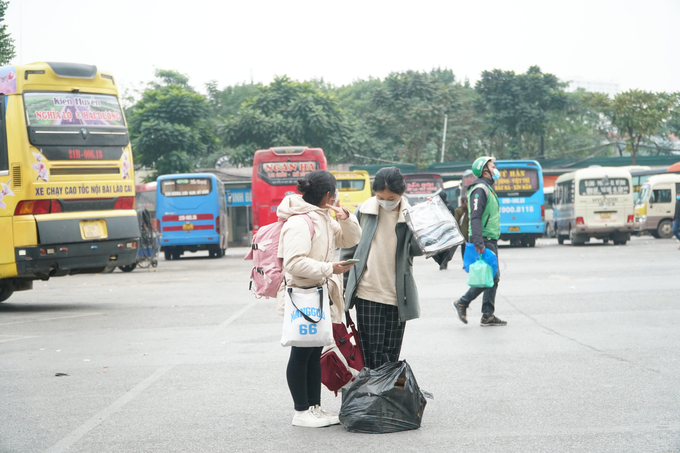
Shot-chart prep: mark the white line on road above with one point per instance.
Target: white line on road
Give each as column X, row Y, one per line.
column 49, row 319
column 77, row 434
column 14, row 337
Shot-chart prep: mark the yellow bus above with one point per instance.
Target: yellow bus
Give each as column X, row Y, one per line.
column 67, row 190
column 354, row 188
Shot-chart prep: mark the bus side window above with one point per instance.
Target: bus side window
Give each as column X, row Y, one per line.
column 4, row 158
column 661, row 196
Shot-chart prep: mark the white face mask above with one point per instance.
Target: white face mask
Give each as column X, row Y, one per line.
column 389, row 205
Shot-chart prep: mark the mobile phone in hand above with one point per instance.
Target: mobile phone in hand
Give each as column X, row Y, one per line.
column 352, row 261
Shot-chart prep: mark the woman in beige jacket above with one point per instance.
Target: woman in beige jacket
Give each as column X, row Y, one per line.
column 308, row 262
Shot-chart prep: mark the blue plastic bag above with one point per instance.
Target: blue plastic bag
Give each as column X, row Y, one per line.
column 471, row 256
column 481, row 274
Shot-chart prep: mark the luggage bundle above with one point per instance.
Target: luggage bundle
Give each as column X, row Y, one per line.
column 384, row 400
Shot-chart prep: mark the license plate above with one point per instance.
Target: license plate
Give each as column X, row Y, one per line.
column 605, row 215
column 514, row 228
column 188, row 227
column 93, row 229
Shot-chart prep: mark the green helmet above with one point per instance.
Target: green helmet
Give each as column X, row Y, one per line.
column 479, row 163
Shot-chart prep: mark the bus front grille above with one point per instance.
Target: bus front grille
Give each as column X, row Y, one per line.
column 84, row 171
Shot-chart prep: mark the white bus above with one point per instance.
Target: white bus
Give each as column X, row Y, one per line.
column 594, row 202
column 655, row 206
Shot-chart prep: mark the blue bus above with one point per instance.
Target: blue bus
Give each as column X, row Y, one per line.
column 522, row 202
column 192, row 211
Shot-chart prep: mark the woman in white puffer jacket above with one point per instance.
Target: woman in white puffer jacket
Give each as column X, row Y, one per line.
column 308, row 262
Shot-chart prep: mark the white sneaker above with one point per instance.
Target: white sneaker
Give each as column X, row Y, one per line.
column 333, row 419
column 310, row 419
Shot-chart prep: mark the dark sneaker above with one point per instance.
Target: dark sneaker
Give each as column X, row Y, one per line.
column 442, row 267
column 462, row 311
column 492, row 321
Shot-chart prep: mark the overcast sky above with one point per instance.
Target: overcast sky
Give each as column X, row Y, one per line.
column 634, row 43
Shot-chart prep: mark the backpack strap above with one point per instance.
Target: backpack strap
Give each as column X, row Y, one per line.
column 310, row 224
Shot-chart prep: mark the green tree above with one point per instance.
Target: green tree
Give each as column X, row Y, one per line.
column 229, row 100
column 636, row 115
column 170, row 126
column 518, row 105
column 287, row 113
column 6, row 42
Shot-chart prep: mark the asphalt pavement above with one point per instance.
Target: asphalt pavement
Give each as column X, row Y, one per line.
column 182, row 358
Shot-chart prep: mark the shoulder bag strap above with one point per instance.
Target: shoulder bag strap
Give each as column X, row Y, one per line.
column 319, row 291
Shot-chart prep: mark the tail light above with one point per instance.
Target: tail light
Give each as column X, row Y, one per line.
column 631, row 219
column 543, row 212
column 217, row 224
column 579, row 221
column 125, row 203
column 37, row 207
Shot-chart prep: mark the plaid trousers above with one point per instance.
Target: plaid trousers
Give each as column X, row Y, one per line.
column 380, row 332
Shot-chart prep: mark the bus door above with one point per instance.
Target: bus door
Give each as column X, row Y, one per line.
column 421, row 186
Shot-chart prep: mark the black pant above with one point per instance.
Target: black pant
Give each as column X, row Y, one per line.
column 304, row 376
column 489, row 300
column 380, row 332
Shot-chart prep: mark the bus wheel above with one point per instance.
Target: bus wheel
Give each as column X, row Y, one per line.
column 605, row 241
column 219, row 253
column 168, row 255
column 175, row 255
column 560, row 239
column 665, row 229
column 128, row 268
column 5, row 292
column 531, row 242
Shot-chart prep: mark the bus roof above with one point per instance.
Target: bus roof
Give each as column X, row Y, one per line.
column 665, row 177
column 594, row 173
column 288, row 150
column 187, row 175
column 422, row 175
column 41, row 76
column 356, row 174
column 527, row 163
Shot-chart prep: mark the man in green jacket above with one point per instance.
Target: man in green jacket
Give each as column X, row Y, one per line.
column 485, row 229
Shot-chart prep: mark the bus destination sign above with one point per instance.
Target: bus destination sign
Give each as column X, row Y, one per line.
column 285, row 173
column 517, row 180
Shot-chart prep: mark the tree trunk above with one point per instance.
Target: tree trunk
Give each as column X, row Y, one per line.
column 542, row 147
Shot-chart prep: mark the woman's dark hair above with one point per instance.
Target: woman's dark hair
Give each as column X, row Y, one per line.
column 315, row 185
column 389, row 178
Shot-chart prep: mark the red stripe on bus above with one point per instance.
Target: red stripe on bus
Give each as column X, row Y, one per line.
column 186, row 217
column 196, row 227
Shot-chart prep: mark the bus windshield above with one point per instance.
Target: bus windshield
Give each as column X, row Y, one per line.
column 186, row 187
column 642, row 197
column 72, row 109
column 604, row 186
column 517, row 182
column 350, row 185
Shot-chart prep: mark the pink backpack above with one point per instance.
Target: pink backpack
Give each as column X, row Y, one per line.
column 267, row 272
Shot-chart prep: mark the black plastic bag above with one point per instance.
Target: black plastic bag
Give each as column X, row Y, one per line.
column 384, row 400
